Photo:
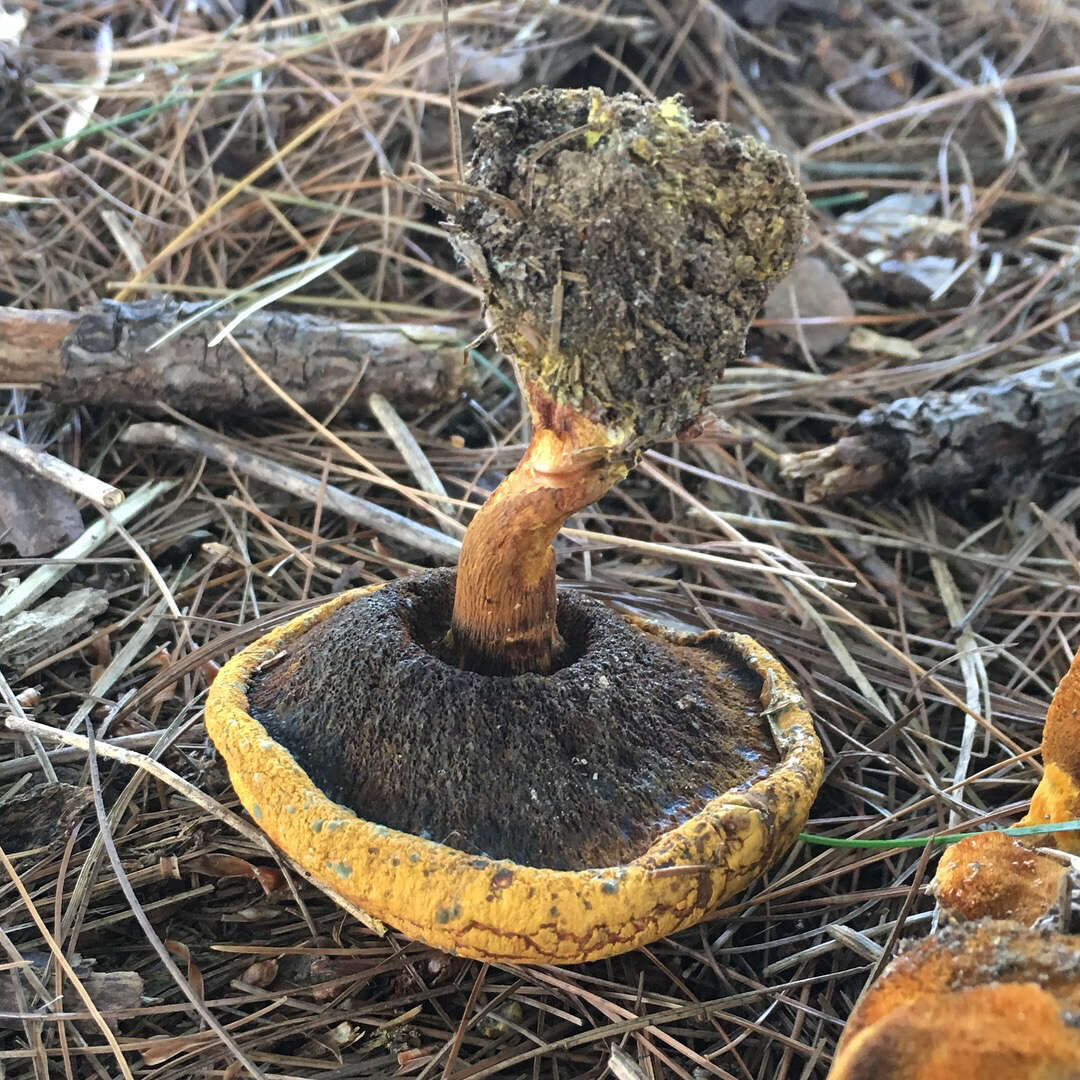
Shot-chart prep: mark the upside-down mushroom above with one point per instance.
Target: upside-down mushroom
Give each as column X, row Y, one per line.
column 995, row 994
column 490, row 770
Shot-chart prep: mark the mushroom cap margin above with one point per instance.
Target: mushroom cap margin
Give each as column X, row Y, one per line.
column 1057, row 798
column 495, row 909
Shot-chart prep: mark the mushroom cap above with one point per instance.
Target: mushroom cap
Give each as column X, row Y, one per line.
column 1057, row 798
column 624, row 249
column 968, row 1002
column 1003, row 1031
column 994, row 876
column 495, row 909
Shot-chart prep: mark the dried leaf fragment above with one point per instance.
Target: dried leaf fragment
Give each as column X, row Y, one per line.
column 37, row 515
column 812, row 291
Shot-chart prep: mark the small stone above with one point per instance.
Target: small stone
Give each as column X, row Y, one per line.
column 812, row 291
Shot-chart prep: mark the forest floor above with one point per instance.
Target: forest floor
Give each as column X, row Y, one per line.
column 199, row 147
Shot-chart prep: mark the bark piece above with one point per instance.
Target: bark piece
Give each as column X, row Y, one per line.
column 999, row 437
column 101, row 358
column 30, row 343
column 110, row 991
column 31, row 635
column 42, row 815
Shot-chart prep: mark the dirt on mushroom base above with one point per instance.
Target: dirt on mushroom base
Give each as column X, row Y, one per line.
column 624, row 248
column 584, row 767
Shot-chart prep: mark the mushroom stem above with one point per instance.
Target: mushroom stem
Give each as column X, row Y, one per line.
column 504, row 603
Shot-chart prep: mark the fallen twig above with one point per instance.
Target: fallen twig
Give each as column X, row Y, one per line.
column 67, row 754
column 105, row 357
column 411, row 451
column 60, row 472
column 296, row 483
column 30, row 343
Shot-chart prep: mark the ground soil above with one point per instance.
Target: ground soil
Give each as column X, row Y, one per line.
column 626, row 248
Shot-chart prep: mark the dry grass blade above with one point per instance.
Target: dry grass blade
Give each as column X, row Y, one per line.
column 62, row 962
column 411, row 451
column 140, row 916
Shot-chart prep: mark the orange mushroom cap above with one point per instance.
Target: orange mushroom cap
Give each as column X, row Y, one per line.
column 1057, row 797
column 982, row 1000
column 996, row 876
column 995, row 1032
column 495, row 909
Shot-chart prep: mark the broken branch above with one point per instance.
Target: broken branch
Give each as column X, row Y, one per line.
column 119, row 354
column 996, row 436
column 60, row 472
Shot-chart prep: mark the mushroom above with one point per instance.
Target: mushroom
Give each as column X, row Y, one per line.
column 991, row 875
column 1057, row 798
column 994, row 994
column 982, row 1001
column 492, row 770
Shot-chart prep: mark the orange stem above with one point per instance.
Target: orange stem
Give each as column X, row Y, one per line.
column 504, row 605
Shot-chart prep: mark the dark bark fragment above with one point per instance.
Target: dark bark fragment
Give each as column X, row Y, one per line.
column 999, row 438
column 41, row 816
column 30, row 636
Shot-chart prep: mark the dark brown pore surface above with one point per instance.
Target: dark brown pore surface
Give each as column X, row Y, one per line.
column 583, row 767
